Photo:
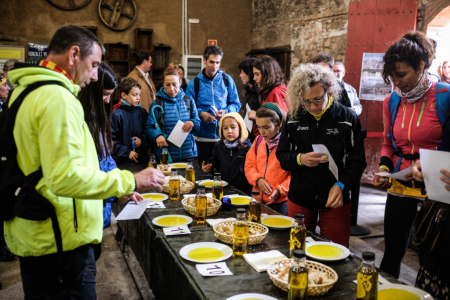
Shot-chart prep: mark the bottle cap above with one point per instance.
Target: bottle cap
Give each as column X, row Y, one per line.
column 241, row 210
column 368, row 255
column 216, row 174
column 299, row 216
column 299, row 253
column 173, row 169
column 200, row 186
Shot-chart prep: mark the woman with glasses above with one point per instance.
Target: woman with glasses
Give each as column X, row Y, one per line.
column 317, row 118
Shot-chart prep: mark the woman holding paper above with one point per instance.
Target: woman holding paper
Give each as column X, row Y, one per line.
column 171, row 106
column 433, row 275
column 316, row 118
column 411, row 122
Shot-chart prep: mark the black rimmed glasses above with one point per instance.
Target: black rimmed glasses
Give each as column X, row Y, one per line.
column 316, row 102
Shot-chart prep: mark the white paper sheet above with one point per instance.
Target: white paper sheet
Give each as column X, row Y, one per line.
column 214, row 269
column 319, row 148
column 432, row 162
column 247, row 121
column 399, row 175
column 261, row 260
column 156, row 205
column 178, row 136
column 133, row 211
column 177, row 230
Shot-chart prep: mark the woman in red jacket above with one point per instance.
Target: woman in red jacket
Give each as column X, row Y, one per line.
column 271, row 88
column 416, row 126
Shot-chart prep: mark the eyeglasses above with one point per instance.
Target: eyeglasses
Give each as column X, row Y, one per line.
column 316, row 102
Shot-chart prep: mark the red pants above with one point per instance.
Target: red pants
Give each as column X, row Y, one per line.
column 334, row 223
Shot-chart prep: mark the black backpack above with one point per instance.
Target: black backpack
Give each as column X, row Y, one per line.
column 18, row 195
column 197, row 83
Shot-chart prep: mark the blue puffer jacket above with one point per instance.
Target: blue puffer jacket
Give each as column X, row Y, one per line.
column 107, row 164
column 215, row 93
column 174, row 109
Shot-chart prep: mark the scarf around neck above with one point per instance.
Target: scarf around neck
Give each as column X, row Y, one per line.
column 418, row 91
column 273, row 142
column 231, row 145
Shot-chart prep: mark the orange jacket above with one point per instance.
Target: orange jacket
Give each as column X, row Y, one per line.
column 259, row 165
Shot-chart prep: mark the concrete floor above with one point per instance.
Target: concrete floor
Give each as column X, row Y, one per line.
column 120, row 277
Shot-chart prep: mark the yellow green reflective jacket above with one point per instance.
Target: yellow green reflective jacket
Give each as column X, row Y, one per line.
column 50, row 132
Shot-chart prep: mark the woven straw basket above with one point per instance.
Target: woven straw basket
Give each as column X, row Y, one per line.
column 209, row 211
column 313, row 290
column 185, row 186
column 167, row 171
column 252, row 239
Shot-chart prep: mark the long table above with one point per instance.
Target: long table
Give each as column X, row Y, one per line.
column 172, row 277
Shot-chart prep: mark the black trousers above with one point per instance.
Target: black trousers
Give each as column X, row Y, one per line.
column 42, row 279
column 205, row 150
column 399, row 216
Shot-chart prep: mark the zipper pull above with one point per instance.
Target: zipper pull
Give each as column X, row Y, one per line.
column 231, row 152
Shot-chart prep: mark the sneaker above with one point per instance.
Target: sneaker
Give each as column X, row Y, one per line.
column 5, row 254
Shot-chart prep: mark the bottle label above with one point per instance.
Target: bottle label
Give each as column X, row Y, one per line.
column 363, row 285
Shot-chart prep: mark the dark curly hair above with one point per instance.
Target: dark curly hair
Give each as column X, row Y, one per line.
column 412, row 49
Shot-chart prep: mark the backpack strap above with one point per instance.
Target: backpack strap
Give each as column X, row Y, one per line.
column 196, row 87
column 258, row 141
column 44, row 207
column 225, row 80
column 394, row 103
column 442, row 101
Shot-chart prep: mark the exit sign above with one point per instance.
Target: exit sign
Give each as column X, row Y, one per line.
column 212, row 42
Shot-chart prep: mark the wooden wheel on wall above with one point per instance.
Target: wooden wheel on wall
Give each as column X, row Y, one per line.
column 120, row 9
column 69, row 4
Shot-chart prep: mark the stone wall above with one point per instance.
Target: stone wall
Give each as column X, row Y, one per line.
column 308, row 27
column 228, row 21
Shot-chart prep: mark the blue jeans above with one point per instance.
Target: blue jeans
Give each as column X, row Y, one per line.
column 279, row 207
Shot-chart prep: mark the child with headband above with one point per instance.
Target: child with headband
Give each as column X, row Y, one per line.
column 262, row 167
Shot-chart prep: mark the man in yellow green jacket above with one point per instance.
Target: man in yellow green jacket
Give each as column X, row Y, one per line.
column 50, row 133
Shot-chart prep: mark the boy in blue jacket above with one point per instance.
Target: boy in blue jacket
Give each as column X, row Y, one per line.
column 127, row 124
column 212, row 87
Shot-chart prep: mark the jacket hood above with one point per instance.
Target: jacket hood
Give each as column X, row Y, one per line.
column 162, row 93
column 239, row 120
column 28, row 75
column 202, row 76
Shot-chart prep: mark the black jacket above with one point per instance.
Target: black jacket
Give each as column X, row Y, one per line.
column 126, row 122
column 230, row 163
column 339, row 130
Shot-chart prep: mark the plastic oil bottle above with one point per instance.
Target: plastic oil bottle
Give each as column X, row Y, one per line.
column 298, row 235
column 298, row 277
column 217, row 187
column 367, row 278
column 174, row 185
column 240, row 234
column 200, row 205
